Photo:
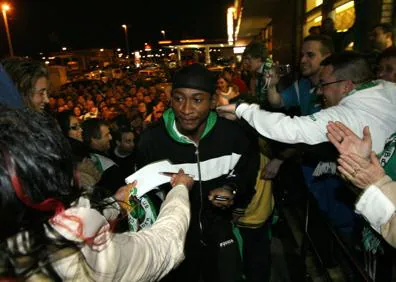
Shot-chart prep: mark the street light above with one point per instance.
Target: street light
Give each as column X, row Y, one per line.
column 5, row 8
column 126, row 38
column 163, row 33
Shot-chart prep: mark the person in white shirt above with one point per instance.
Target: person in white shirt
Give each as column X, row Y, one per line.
column 351, row 97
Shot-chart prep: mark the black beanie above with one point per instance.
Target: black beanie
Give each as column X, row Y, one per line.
column 195, row 76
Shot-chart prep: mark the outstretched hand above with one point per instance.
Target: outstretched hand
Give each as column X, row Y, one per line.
column 347, row 142
column 227, row 111
column 274, row 75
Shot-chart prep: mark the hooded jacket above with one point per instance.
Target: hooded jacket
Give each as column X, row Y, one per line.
column 221, row 157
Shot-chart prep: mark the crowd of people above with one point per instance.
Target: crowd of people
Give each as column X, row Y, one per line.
column 64, row 157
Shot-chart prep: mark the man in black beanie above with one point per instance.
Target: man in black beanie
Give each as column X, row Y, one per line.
column 190, row 134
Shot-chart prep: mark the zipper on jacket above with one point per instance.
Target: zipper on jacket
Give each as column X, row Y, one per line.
column 200, row 194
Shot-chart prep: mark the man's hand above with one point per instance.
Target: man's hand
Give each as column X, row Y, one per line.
column 361, row 172
column 182, row 178
column 227, row 111
column 347, row 142
column 274, row 75
column 221, row 197
column 271, row 169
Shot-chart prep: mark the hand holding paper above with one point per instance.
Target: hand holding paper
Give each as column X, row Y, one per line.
column 150, row 177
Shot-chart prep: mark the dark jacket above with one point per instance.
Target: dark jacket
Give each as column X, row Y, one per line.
column 223, row 157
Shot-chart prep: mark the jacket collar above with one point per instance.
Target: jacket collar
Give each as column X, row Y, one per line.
column 170, row 125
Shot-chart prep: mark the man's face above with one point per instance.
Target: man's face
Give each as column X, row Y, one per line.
column 147, row 99
column 378, row 39
column 102, row 144
column 311, row 57
column 52, row 101
column 128, row 102
column 163, row 98
column 89, row 104
column 142, row 108
column 127, row 143
column 152, row 90
column 39, row 97
column 81, row 100
column 387, row 69
column 140, row 96
column 99, row 98
column 332, row 89
column 252, row 64
column 191, row 108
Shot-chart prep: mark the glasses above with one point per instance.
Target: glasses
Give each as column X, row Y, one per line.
column 75, row 127
column 321, row 84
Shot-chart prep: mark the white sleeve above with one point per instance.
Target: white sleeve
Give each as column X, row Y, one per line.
column 375, row 207
column 149, row 254
column 280, row 127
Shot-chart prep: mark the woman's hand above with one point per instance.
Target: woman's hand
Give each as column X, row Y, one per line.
column 182, row 178
column 360, row 171
column 122, row 195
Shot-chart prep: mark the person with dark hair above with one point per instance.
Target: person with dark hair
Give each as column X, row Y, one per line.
column 301, row 96
column 52, row 233
column 235, row 78
column 124, row 151
column 96, row 136
column 301, row 93
column 381, row 37
column 350, row 95
column 386, row 63
column 257, row 62
column 31, row 80
column 217, row 152
column 341, row 39
column 71, row 129
column 225, row 91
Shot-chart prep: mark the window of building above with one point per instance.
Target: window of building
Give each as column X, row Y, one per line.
column 312, row 20
column 344, row 15
column 386, row 11
column 311, row 4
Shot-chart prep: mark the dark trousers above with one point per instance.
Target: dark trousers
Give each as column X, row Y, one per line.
column 257, row 252
column 216, row 258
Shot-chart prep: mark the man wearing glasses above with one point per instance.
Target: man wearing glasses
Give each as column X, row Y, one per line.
column 351, row 96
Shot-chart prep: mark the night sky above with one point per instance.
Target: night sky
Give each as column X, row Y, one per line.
column 42, row 26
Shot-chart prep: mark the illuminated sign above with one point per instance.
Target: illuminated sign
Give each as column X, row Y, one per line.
column 165, row 42
column 192, row 41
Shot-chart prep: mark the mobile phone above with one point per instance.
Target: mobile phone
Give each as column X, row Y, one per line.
column 221, row 198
